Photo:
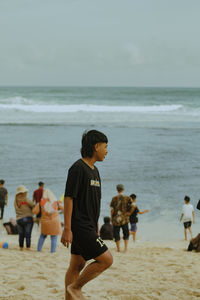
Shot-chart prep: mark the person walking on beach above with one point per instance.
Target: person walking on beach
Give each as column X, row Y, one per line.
column 187, row 216
column 50, row 220
column 37, row 196
column 3, row 197
column 24, row 216
column 81, row 213
column 134, row 218
column 121, row 208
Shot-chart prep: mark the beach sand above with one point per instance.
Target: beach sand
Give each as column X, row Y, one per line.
column 148, row 270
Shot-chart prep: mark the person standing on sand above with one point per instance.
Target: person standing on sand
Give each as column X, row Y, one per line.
column 81, row 213
column 3, row 197
column 50, row 220
column 121, row 208
column 24, row 216
column 134, row 218
column 187, row 216
column 37, row 196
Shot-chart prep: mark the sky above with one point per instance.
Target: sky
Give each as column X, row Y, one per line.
column 100, row 43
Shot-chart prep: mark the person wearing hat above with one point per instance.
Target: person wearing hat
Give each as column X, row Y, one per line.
column 121, row 208
column 24, row 216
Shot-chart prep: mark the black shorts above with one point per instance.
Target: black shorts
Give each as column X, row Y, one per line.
column 116, row 232
column 87, row 244
column 187, row 224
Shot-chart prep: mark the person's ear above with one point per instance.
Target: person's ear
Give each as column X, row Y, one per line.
column 96, row 146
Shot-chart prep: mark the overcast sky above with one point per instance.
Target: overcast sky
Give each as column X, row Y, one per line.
column 100, row 43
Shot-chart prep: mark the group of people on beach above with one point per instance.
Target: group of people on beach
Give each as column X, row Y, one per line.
column 123, row 211
column 82, row 200
column 45, row 206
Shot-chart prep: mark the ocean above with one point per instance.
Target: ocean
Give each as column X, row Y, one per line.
column 153, row 148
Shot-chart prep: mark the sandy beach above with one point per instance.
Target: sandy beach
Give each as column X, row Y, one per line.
column 149, row 270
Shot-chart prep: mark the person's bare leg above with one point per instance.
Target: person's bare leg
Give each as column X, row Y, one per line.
column 118, row 246
column 190, row 230
column 94, row 269
column 185, row 232
column 134, row 235
column 125, row 245
column 77, row 263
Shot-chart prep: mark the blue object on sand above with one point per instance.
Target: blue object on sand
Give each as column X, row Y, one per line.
column 5, row 245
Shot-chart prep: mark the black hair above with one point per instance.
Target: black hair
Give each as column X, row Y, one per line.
column 89, row 139
column 133, row 196
column 40, row 183
column 106, row 219
column 187, row 199
column 2, row 181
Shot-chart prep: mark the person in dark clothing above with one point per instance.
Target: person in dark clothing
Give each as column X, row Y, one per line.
column 37, row 196
column 121, row 208
column 134, row 218
column 81, row 213
column 11, row 226
column 195, row 244
column 106, row 231
column 3, row 197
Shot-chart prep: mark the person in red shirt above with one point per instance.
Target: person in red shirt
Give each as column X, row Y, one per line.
column 37, row 196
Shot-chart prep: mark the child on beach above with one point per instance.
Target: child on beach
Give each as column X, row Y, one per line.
column 134, row 218
column 187, row 216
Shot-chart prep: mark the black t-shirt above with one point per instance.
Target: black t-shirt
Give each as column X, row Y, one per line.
column 84, row 186
column 133, row 217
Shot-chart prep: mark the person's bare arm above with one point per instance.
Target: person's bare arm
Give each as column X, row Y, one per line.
column 111, row 214
column 66, row 238
column 181, row 217
column 143, row 212
column 193, row 217
column 98, row 231
column 131, row 211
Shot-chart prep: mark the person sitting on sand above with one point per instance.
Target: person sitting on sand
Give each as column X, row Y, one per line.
column 187, row 216
column 24, row 216
column 106, row 231
column 134, row 218
column 50, row 221
column 121, row 209
column 11, row 226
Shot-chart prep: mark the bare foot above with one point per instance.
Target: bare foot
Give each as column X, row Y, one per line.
column 75, row 293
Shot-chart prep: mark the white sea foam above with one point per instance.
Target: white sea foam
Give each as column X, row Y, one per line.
column 41, row 108
column 15, row 101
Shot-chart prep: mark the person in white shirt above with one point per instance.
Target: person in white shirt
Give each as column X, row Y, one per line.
column 187, row 216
